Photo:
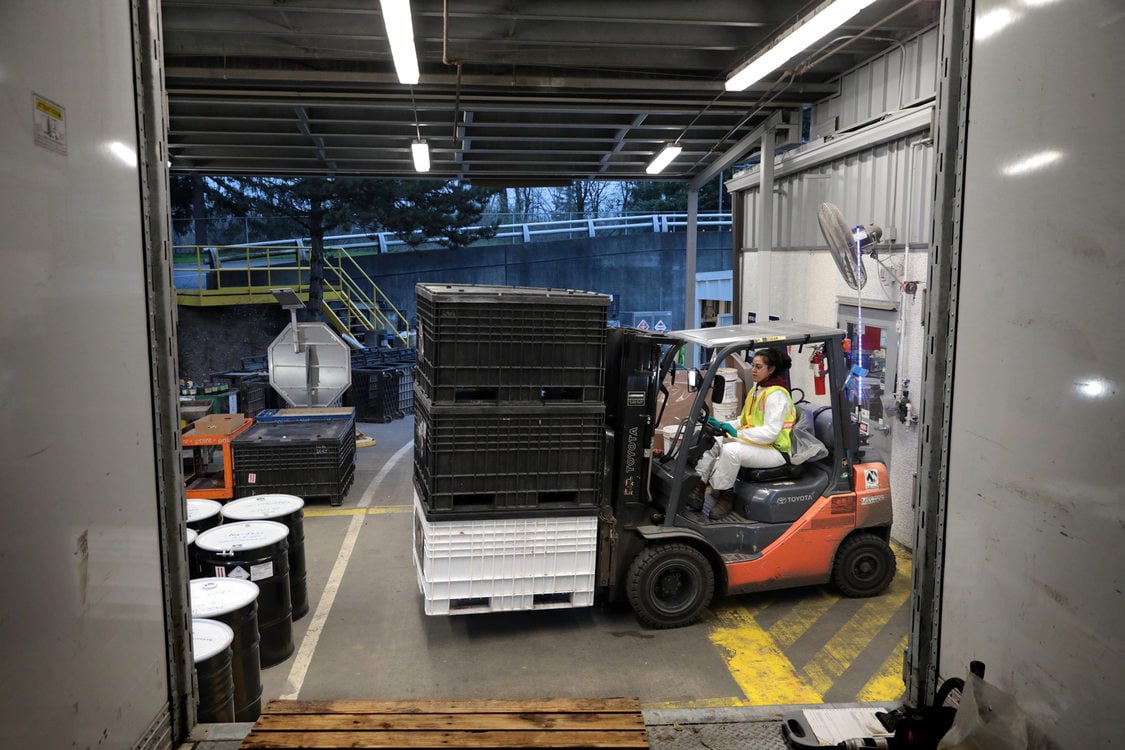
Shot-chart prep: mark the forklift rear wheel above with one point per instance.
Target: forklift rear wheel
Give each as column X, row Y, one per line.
column 670, row 585
column 865, row 566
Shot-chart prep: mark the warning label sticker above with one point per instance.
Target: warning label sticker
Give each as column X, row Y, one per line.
column 871, row 479
column 261, row 571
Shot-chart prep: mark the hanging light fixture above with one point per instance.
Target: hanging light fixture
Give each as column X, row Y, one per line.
column 664, row 158
column 400, row 33
column 825, row 19
column 420, row 150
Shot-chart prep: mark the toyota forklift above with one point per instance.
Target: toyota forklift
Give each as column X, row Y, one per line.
column 826, row 520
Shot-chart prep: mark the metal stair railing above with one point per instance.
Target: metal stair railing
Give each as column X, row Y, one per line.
column 356, row 300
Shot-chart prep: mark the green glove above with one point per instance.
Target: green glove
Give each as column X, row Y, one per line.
column 726, row 427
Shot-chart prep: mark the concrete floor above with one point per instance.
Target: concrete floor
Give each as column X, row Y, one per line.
column 366, row 635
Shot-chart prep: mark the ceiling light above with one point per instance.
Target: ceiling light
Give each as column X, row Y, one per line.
column 421, row 152
column 400, row 33
column 828, row 17
column 664, row 158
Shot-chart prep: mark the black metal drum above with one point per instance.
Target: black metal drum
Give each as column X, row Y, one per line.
column 211, row 642
column 256, row 551
column 204, row 514
column 234, row 603
column 289, row 510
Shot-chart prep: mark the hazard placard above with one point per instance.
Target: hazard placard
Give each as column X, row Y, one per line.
column 642, row 326
column 660, row 327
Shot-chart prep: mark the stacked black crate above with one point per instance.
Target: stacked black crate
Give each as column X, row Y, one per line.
column 509, row 446
column 509, row 415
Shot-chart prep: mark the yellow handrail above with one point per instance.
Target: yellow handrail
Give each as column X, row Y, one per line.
column 342, row 253
column 218, row 269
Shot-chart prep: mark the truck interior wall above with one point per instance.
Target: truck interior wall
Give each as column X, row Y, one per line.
column 83, row 625
column 1033, row 567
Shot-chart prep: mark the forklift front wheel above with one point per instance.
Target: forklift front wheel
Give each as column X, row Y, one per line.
column 670, row 585
column 865, row 566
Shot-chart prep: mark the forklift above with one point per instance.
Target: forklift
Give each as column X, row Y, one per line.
column 826, row 520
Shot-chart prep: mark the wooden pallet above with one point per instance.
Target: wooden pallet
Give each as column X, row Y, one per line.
column 541, row 724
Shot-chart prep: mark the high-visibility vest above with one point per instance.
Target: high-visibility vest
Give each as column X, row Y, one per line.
column 754, row 415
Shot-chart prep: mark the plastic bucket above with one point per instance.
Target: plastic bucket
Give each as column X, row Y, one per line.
column 204, row 514
column 234, row 603
column 256, row 551
column 211, row 643
column 670, row 442
column 289, row 510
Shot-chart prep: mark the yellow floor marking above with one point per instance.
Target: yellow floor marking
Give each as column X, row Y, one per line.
column 800, row 618
column 887, row 684
column 850, row 640
column 704, row 703
column 766, row 676
column 357, row 511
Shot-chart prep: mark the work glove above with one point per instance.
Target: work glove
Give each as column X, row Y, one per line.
column 726, row 427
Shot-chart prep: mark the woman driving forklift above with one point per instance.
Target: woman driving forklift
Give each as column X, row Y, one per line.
column 760, row 438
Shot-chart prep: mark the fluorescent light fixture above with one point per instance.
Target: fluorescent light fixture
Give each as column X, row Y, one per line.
column 421, row 152
column 830, row 16
column 400, row 33
column 664, row 158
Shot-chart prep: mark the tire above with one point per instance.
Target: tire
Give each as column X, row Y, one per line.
column 670, row 585
column 864, row 566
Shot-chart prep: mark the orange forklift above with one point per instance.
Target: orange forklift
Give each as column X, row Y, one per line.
column 825, row 520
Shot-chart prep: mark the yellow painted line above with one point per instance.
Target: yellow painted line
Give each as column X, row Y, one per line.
column 757, row 664
column 704, row 703
column 887, row 684
column 798, row 620
column 851, row 639
column 383, row 509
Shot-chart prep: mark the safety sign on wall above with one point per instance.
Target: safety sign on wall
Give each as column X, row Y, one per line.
column 49, row 124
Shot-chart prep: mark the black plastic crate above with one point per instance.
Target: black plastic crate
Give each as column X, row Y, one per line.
column 475, row 457
column 405, row 389
column 499, row 344
column 253, row 395
column 334, row 490
column 374, row 393
column 306, row 458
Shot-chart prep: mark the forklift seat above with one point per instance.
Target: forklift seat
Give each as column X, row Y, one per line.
column 822, row 426
column 772, row 474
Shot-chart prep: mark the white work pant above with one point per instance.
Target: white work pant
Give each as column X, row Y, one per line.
column 719, row 466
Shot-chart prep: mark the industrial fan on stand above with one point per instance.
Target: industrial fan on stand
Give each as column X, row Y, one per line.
column 848, row 246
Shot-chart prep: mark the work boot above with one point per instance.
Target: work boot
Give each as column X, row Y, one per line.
column 724, row 504
column 696, row 497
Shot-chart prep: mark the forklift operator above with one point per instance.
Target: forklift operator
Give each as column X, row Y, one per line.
column 760, row 439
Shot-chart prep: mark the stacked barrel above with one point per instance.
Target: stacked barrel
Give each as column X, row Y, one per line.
column 247, row 566
column 509, row 429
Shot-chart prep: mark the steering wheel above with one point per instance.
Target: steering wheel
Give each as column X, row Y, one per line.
column 705, row 426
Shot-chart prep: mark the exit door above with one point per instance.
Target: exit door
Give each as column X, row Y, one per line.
column 874, row 348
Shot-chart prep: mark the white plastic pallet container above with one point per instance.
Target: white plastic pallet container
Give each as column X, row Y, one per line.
column 494, row 565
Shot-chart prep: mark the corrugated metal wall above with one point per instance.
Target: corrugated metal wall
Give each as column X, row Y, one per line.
column 883, row 84
column 873, row 185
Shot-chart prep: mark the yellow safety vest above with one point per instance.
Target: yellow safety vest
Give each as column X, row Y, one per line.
column 754, row 415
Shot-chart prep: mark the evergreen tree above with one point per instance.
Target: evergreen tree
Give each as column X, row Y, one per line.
column 664, row 196
column 414, row 210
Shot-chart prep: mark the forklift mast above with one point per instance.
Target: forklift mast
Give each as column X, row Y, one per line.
column 632, row 384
